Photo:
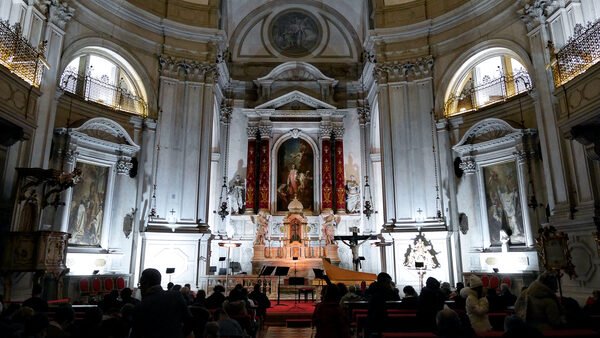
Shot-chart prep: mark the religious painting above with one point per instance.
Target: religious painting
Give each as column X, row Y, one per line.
column 295, row 174
column 503, row 204
column 295, row 33
column 87, row 205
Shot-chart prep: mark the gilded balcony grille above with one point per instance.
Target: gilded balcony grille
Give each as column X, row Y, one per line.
column 488, row 92
column 581, row 52
column 19, row 56
column 102, row 91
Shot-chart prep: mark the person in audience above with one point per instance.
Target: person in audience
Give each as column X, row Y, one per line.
column 342, row 290
column 328, row 317
column 201, row 317
column 35, row 301
column 477, row 306
column 350, row 296
column 228, row 326
column 62, row 325
column 449, row 325
column 262, row 303
column 126, row 297
column 459, row 301
column 507, row 297
column 211, row 330
column 515, row 327
column 216, row 299
column 170, row 286
column 378, row 293
column 592, row 304
column 90, row 325
column 161, row 313
column 411, row 298
column 187, row 295
column 431, row 300
column 445, row 288
column 36, row 326
column 495, row 302
column 200, row 299
column 539, row 306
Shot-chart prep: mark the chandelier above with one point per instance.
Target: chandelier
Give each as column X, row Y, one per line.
column 368, row 206
column 223, row 207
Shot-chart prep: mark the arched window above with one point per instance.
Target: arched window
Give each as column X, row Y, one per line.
column 102, row 76
column 488, row 77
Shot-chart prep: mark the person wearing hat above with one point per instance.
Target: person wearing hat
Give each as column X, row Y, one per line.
column 477, row 306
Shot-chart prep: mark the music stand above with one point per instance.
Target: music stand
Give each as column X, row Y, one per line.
column 280, row 271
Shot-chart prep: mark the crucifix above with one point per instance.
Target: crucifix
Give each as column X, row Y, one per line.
column 354, row 242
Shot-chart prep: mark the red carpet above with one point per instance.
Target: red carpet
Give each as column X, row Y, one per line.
column 288, row 306
column 280, row 315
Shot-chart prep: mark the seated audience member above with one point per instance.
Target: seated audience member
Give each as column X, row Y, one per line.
column 449, row 325
column 187, row 295
column 126, row 297
column 161, row 313
column 228, row 326
column 459, row 300
column 445, row 288
column 261, row 301
column 592, row 304
column 431, row 300
column 350, row 296
column 200, row 299
column 216, row 299
column 35, row 301
column 539, row 306
column 201, row 316
column 411, row 298
column 36, row 326
column 494, row 300
column 328, row 317
column 62, row 325
column 508, row 299
column 515, row 327
column 211, row 330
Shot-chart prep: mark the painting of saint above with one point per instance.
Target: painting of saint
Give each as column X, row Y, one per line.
column 87, row 205
column 503, row 203
column 294, row 179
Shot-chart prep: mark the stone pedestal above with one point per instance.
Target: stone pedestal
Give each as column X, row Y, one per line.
column 259, row 252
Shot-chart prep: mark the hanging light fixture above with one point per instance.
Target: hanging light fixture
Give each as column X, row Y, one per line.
column 368, row 206
column 153, row 214
column 223, row 207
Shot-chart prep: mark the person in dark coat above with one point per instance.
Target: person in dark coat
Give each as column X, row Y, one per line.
column 411, row 298
column 378, row 293
column 329, row 318
column 217, row 298
column 431, row 300
column 161, row 313
column 35, row 301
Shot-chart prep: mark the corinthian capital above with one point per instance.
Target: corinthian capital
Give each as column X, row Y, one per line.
column 535, row 12
column 468, row 165
column 405, row 70
column 59, row 13
column 124, row 165
column 225, row 113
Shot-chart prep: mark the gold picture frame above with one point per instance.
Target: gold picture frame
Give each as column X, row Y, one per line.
column 554, row 252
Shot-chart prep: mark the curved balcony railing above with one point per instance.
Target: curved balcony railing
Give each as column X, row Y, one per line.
column 492, row 91
column 103, row 92
column 19, row 56
column 581, row 52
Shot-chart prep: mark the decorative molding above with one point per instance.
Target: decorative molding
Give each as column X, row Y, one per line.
column 187, row 69
column 70, row 156
column 489, row 133
column 124, row 165
column 265, row 130
column 58, row 13
column 252, row 131
column 295, row 133
column 325, row 131
column 535, row 12
column 338, row 132
column 364, row 114
column 295, row 96
column 468, row 165
column 407, row 70
column 225, row 112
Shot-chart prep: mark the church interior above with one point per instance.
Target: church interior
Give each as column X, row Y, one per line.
column 227, row 142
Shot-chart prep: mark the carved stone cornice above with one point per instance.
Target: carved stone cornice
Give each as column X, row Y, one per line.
column 225, row 113
column 295, row 133
column 187, row 70
column 535, row 12
column 403, row 71
column 338, row 132
column 124, row 165
column 252, row 131
column 468, row 165
column 70, row 155
column 58, row 12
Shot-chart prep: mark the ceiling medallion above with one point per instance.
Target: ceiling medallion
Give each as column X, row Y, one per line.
column 295, row 33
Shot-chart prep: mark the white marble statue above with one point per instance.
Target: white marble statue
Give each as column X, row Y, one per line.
column 262, row 227
column 330, row 222
column 352, row 196
column 236, row 194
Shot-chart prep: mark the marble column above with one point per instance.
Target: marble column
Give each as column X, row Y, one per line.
column 251, row 170
column 264, row 171
column 58, row 15
column 340, row 180
column 326, row 168
column 472, row 209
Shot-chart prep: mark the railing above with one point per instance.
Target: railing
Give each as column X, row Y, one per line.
column 103, row 92
column 581, row 52
column 492, row 91
column 19, row 56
